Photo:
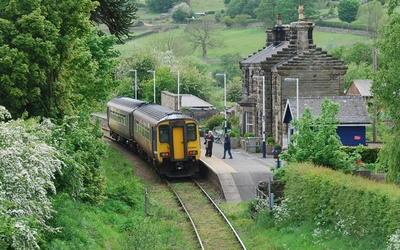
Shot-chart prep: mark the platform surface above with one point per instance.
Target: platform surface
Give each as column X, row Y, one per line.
column 239, row 176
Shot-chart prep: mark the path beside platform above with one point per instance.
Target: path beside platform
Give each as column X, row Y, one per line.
column 239, row 176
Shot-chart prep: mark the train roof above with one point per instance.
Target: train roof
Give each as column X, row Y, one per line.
column 158, row 112
column 125, row 103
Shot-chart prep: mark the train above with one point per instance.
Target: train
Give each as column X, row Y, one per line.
column 167, row 139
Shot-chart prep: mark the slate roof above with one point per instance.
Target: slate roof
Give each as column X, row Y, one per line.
column 191, row 101
column 353, row 110
column 363, row 86
column 267, row 52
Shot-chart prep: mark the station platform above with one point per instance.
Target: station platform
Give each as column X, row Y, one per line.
column 240, row 176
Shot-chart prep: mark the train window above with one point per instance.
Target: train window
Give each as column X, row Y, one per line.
column 164, row 133
column 191, row 131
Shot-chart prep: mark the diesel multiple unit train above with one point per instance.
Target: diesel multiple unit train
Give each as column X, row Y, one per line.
column 169, row 140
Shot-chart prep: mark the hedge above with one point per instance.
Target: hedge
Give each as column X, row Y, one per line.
column 353, row 205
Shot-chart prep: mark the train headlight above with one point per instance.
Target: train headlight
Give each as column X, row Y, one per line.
column 164, row 154
column 193, row 152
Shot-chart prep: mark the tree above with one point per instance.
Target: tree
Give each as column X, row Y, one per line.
column 316, row 140
column 374, row 15
column 27, row 171
column 347, row 10
column 386, row 88
column 289, row 9
column 244, row 7
column 160, row 6
column 117, row 15
column 180, row 12
column 201, row 34
column 53, row 59
column 266, row 11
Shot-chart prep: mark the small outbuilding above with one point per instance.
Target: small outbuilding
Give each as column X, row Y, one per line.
column 353, row 117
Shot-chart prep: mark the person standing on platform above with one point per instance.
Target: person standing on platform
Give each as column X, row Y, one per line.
column 209, row 143
column 227, row 146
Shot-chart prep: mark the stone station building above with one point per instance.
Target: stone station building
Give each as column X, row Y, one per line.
column 289, row 53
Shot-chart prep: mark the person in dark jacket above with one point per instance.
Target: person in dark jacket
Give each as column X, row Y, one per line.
column 227, row 146
column 209, row 143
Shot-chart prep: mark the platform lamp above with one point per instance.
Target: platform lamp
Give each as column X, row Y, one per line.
column 263, row 114
column 226, row 127
column 177, row 71
column 154, row 83
column 135, row 82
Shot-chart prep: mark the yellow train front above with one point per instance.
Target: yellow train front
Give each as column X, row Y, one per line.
column 169, row 140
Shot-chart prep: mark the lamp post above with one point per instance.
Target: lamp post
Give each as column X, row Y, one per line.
column 263, row 113
column 134, row 70
column 179, row 106
column 154, row 84
column 224, row 75
column 297, row 94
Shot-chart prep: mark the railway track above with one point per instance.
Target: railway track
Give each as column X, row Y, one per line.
column 211, row 226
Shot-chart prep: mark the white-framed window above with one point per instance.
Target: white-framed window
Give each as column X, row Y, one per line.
column 249, row 122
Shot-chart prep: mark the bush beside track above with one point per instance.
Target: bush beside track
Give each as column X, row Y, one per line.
column 353, row 205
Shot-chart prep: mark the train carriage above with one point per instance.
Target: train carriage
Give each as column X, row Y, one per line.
column 166, row 138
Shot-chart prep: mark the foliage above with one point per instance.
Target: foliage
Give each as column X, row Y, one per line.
column 249, row 134
column 289, row 9
column 316, row 140
column 265, row 11
column 53, row 59
column 117, row 15
column 203, row 34
column 160, row 6
column 270, row 140
column 386, row 88
column 373, row 14
column 80, row 143
column 180, row 12
column 27, row 172
column 234, row 90
column 347, row 10
column 215, row 121
column 326, row 197
column 242, row 7
column 358, row 53
column 229, row 65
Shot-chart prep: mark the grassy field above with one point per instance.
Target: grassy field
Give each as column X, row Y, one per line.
column 246, row 41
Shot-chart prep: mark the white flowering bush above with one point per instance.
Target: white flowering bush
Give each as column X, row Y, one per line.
column 4, row 114
column 27, row 168
column 393, row 242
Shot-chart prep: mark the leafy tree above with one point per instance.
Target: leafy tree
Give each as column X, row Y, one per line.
column 201, row 34
column 160, row 6
column 164, row 81
column 373, row 14
column 234, row 89
column 316, row 140
column 347, row 10
column 53, row 60
column 180, row 12
column 289, row 9
column 229, row 65
column 357, row 71
column 117, row 15
column 27, row 172
column 386, row 88
column 82, row 151
column 266, row 11
column 244, row 7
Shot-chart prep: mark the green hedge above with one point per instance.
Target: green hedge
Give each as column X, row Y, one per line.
column 353, row 205
column 368, row 155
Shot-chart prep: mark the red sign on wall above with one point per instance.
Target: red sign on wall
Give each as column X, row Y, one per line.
column 357, row 137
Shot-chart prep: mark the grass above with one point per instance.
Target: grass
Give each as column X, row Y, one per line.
column 120, row 222
column 246, row 41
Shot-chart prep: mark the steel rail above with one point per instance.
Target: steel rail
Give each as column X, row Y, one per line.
column 187, row 213
column 223, row 215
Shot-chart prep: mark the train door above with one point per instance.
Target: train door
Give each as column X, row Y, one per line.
column 178, row 135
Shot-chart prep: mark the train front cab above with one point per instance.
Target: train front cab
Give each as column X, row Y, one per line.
column 178, row 147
